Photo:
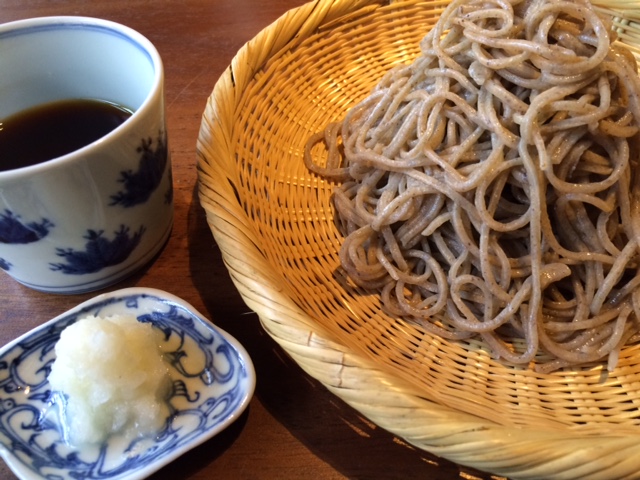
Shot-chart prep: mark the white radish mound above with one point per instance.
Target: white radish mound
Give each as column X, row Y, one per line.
column 112, row 373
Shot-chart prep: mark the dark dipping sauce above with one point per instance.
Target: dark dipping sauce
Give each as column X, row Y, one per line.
column 54, row 129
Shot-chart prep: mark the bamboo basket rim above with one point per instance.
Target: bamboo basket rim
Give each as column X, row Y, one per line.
column 399, row 405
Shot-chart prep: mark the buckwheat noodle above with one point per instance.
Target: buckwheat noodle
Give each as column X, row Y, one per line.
column 491, row 187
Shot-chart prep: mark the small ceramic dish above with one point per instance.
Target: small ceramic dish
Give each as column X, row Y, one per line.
column 213, row 379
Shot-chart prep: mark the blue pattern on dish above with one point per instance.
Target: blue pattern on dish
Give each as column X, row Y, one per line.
column 204, row 400
column 139, row 185
column 99, row 252
column 5, row 265
column 14, row 231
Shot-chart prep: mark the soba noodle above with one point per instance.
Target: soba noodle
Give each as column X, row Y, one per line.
column 490, row 188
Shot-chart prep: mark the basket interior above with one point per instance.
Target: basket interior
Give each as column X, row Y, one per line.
column 313, row 81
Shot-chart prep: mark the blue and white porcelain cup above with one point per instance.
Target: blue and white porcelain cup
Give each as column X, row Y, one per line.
column 87, row 219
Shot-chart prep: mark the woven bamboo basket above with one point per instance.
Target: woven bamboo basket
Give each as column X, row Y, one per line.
column 273, row 221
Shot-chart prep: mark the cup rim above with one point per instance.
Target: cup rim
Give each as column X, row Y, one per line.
column 65, row 21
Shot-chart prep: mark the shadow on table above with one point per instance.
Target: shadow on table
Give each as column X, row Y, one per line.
column 323, row 423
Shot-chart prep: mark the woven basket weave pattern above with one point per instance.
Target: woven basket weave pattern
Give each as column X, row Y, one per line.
column 273, row 221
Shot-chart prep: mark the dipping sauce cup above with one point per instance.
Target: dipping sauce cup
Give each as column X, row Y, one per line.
column 89, row 218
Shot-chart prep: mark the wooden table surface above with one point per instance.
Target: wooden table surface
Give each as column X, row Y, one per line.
column 293, row 428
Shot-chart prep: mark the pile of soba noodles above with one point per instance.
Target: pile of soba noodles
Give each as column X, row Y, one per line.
column 490, row 188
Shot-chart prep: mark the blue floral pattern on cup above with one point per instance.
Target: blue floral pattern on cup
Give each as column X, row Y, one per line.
column 99, row 252
column 14, row 231
column 204, row 401
column 139, row 185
